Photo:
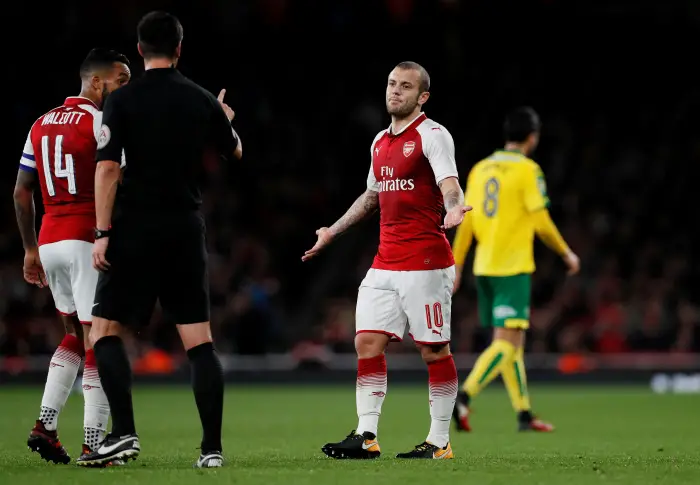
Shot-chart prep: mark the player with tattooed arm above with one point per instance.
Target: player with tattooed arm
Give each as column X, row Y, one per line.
column 412, row 180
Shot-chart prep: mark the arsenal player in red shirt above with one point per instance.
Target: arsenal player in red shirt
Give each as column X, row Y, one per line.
column 413, row 180
column 59, row 157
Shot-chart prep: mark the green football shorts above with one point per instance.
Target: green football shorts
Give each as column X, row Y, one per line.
column 504, row 301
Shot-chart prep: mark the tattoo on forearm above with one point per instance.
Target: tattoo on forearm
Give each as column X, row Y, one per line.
column 453, row 198
column 364, row 206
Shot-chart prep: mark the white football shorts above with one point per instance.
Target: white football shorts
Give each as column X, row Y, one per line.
column 389, row 300
column 71, row 277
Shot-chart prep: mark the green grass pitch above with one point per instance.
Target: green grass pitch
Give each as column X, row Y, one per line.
column 273, row 435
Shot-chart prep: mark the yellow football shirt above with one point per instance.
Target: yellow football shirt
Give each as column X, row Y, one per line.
column 504, row 190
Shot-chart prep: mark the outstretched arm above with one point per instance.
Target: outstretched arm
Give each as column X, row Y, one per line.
column 439, row 148
column 364, row 206
column 452, row 193
column 453, row 198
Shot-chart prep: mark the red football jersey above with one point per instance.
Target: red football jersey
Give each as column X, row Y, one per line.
column 61, row 148
column 406, row 169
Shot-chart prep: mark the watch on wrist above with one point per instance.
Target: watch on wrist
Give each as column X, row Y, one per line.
column 100, row 233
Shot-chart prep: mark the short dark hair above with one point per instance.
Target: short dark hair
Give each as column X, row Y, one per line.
column 521, row 123
column 424, row 76
column 159, row 33
column 98, row 59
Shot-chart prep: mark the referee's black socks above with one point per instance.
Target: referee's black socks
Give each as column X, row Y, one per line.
column 115, row 377
column 208, row 385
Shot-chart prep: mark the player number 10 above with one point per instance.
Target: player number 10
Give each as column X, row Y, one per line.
column 59, row 170
column 436, row 317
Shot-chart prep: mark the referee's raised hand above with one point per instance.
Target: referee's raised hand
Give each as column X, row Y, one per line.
column 227, row 109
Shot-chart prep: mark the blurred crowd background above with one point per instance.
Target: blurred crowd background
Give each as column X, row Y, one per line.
column 613, row 82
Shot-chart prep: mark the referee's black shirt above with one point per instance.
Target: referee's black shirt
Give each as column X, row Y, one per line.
column 166, row 125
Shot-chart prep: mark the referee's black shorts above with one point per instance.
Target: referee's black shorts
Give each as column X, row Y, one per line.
column 160, row 257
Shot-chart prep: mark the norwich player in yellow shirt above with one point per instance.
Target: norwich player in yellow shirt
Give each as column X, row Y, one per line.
column 508, row 193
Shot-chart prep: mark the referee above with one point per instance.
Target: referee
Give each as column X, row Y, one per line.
column 150, row 235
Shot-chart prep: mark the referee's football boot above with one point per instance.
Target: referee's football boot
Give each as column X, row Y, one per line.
column 87, row 450
column 112, row 448
column 210, row 459
column 47, row 444
column 429, row 451
column 354, row 447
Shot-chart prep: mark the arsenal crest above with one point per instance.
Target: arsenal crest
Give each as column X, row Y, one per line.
column 408, row 148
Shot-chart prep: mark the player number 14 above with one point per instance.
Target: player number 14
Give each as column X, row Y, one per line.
column 60, row 170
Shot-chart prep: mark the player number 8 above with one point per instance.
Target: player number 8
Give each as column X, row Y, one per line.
column 491, row 200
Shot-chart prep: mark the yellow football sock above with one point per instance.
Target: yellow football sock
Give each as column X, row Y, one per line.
column 515, row 379
column 489, row 364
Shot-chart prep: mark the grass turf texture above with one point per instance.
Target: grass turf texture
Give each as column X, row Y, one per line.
column 273, row 435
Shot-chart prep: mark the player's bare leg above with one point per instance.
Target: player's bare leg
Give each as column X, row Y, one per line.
column 63, row 370
column 115, row 377
column 370, row 392
column 443, row 384
column 208, row 386
column 515, row 380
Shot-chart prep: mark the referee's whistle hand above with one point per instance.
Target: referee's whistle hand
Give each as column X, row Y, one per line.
column 99, row 262
column 227, row 109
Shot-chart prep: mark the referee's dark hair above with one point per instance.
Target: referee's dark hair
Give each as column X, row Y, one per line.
column 521, row 123
column 160, row 34
column 99, row 59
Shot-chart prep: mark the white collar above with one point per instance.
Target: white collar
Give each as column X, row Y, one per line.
column 407, row 125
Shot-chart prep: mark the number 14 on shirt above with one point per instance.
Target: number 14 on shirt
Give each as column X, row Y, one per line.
column 60, row 170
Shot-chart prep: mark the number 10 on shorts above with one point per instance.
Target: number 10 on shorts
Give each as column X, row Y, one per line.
column 433, row 315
